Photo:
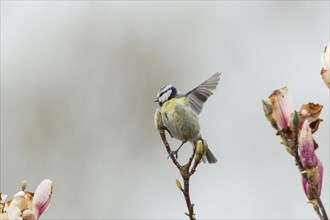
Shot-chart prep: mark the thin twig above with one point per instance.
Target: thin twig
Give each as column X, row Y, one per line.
column 185, row 174
column 168, row 149
column 312, row 187
column 303, row 172
column 186, row 194
column 310, row 182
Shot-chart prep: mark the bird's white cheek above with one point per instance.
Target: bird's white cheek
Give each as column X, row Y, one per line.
column 165, row 96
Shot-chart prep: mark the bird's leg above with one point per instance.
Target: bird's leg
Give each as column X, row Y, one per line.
column 175, row 152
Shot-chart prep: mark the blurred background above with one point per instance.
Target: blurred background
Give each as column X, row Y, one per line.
column 77, row 83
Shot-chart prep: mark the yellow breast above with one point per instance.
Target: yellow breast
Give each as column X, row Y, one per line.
column 169, row 105
column 180, row 119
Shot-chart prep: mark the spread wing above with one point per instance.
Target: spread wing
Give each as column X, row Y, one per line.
column 199, row 95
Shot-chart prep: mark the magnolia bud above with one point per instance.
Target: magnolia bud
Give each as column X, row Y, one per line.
column 42, row 197
column 24, row 184
column 306, row 147
column 268, row 108
column 200, row 149
column 316, row 175
column 295, row 120
column 178, row 184
column 282, row 107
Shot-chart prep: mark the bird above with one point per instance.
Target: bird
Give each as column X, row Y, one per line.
column 179, row 112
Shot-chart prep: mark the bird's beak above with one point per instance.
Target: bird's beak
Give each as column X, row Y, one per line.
column 156, row 100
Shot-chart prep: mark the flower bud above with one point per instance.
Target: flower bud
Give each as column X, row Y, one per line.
column 268, row 108
column 282, row 107
column 316, row 176
column 200, row 149
column 178, row 184
column 42, row 197
column 24, row 184
column 306, row 147
column 295, row 120
column 325, row 63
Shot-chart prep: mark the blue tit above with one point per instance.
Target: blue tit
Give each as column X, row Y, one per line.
column 179, row 112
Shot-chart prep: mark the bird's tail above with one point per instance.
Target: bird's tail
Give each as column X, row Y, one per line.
column 209, row 157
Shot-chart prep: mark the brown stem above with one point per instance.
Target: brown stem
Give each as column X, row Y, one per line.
column 168, row 148
column 312, row 187
column 185, row 173
column 320, row 206
column 186, row 194
column 193, row 169
column 310, row 182
column 302, row 170
column 319, row 201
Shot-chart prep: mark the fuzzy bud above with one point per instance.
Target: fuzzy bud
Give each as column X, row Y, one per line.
column 295, row 120
column 306, row 147
column 282, row 107
column 42, row 197
column 316, row 175
column 200, row 151
column 178, row 184
column 268, row 108
column 24, row 185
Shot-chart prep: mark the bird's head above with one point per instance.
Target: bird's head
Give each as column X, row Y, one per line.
column 166, row 93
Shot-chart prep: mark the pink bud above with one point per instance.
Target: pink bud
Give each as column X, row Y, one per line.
column 318, row 177
column 42, row 197
column 317, row 180
column 282, row 107
column 306, row 147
